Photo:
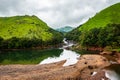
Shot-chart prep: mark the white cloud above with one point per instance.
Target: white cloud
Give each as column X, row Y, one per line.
column 56, row 13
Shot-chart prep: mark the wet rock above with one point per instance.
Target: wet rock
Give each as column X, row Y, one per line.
column 68, row 48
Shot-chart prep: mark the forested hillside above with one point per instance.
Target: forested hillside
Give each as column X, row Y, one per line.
column 26, row 31
column 101, row 30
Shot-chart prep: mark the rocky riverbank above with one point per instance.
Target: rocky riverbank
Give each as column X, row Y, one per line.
column 83, row 70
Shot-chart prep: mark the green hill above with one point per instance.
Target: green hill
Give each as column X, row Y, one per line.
column 109, row 15
column 29, row 28
column 101, row 30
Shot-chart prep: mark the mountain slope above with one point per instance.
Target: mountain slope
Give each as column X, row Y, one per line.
column 30, row 27
column 101, row 30
column 107, row 16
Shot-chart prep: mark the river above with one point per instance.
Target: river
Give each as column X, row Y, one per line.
column 113, row 72
column 50, row 56
column 70, row 56
column 40, row 56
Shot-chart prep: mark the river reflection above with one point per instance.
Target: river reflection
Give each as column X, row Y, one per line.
column 113, row 72
column 41, row 56
column 27, row 56
column 68, row 55
column 38, row 56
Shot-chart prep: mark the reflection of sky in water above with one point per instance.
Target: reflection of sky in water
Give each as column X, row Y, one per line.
column 113, row 72
column 112, row 75
column 68, row 55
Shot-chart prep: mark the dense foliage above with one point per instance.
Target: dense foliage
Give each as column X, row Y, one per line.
column 26, row 31
column 101, row 30
column 101, row 37
column 73, row 35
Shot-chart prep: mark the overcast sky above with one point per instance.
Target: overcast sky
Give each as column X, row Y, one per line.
column 56, row 13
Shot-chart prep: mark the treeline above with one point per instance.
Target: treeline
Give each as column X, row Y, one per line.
column 100, row 37
column 20, row 43
column 73, row 35
column 107, row 36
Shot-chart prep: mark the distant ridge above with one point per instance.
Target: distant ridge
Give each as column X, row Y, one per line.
column 65, row 29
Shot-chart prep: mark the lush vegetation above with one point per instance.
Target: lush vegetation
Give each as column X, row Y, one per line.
column 102, row 37
column 26, row 31
column 107, row 16
column 73, row 35
column 101, row 30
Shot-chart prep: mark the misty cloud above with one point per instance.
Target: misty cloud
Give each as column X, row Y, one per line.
column 56, row 13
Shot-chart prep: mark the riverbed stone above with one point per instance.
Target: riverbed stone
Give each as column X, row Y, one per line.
column 95, row 63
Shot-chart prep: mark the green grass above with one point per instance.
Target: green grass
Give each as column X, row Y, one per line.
column 25, row 27
column 107, row 16
column 117, row 49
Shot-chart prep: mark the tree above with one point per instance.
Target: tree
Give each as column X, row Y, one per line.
column 1, row 39
column 107, row 36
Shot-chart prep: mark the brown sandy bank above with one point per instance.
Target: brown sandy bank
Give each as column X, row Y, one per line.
column 82, row 70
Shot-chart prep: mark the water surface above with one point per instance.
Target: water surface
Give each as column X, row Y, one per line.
column 113, row 72
column 70, row 56
column 27, row 56
column 41, row 56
